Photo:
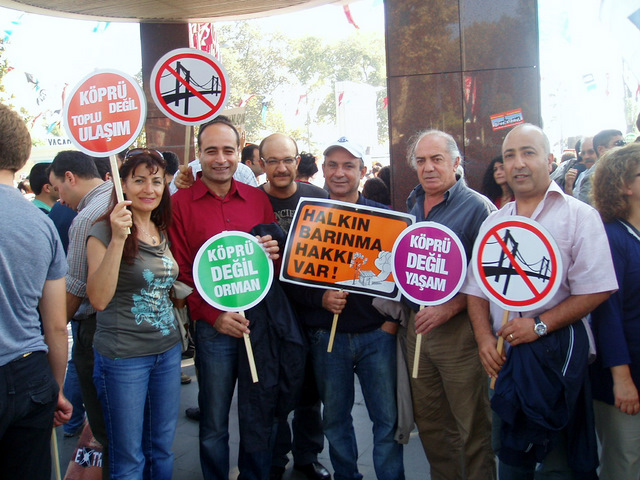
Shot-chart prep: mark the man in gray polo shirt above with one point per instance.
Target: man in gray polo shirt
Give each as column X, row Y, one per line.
column 450, row 395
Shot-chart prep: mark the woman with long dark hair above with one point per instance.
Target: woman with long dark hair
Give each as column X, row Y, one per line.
column 615, row 374
column 137, row 340
column 494, row 184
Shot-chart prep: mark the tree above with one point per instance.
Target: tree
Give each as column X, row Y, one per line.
column 266, row 64
column 255, row 64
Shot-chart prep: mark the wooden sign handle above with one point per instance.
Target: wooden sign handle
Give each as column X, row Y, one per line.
column 416, row 354
column 500, row 346
column 252, row 362
column 187, row 145
column 117, row 183
column 332, row 336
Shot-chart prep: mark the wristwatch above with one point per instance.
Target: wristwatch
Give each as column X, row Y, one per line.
column 540, row 327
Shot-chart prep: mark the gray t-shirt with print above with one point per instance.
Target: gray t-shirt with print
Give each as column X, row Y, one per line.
column 139, row 320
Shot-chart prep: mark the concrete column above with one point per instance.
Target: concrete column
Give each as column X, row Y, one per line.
column 450, row 66
column 157, row 39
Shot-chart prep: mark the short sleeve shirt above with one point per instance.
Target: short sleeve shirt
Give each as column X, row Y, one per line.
column 582, row 241
column 139, row 319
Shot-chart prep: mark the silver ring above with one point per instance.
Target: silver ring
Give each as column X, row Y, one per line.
column 511, row 336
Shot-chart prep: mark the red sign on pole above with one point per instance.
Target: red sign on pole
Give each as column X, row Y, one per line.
column 105, row 113
column 517, row 264
column 189, row 86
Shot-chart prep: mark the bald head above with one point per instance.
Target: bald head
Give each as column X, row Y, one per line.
column 527, row 162
column 534, row 132
column 279, row 159
column 278, row 140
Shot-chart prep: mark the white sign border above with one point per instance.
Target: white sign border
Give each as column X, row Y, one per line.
column 475, row 268
column 169, row 113
column 196, row 279
column 138, row 130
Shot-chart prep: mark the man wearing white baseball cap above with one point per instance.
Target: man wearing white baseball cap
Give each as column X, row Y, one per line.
column 364, row 344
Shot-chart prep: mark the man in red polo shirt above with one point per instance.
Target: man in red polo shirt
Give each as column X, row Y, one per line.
column 216, row 203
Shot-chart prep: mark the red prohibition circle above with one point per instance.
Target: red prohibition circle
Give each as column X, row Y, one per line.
column 554, row 263
column 214, row 107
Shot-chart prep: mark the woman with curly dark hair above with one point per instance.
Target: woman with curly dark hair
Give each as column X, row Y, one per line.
column 137, row 340
column 615, row 374
column 307, row 167
column 494, row 184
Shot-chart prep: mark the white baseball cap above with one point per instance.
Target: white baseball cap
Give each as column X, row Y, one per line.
column 353, row 148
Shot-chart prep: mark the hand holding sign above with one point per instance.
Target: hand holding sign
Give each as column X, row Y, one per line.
column 104, row 114
column 342, row 246
column 429, row 266
column 517, row 264
column 232, row 272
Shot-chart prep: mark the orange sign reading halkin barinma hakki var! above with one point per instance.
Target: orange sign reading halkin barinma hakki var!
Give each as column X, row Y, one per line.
column 343, row 245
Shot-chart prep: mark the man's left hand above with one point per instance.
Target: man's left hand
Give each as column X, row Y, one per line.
column 429, row 318
column 519, row 330
column 63, row 412
column 270, row 246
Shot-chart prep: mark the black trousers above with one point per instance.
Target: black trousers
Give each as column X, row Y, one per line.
column 28, row 399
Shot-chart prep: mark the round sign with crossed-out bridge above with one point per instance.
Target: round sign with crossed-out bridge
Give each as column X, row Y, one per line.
column 232, row 272
column 517, row 263
column 189, row 86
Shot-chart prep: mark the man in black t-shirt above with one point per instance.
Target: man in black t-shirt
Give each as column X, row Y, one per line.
column 279, row 158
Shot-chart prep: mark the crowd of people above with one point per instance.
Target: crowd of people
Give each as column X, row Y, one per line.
column 569, row 372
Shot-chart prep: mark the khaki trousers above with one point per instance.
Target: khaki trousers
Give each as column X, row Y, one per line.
column 451, row 402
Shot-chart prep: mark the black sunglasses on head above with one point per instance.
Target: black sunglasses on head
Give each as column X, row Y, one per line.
column 143, row 151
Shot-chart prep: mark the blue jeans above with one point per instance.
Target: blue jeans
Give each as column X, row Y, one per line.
column 372, row 356
column 140, row 398
column 216, row 362
column 72, row 390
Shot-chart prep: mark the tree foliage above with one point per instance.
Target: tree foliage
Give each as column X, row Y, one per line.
column 268, row 65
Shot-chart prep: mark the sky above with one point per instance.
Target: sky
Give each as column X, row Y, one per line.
column 57, row 51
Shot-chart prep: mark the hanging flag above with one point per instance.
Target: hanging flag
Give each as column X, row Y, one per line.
column 265, row 105
column 100, row 27
column 340, row 98
column 347, row 12
column 33, row 122
column 203, row 37
column 300, row 100
column 9, row 31
column 245, row 99
column 32, row 79
column 385, row 102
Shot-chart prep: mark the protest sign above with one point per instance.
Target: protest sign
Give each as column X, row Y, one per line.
column 518, row 266
column 344, row 246
column 105, row 113
column 189, row 86
column 429, row 263
column 517, row 263
column 233, row 273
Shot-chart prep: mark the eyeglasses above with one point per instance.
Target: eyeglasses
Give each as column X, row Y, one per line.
column 156, row 155
column 619, row 143
column 272, row 162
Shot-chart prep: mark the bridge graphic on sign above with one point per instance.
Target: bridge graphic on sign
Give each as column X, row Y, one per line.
column 186, row 87
column 517, row 263
column 511, row 262
column 189, row 86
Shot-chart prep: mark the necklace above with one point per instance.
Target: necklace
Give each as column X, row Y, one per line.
column 154, row 240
